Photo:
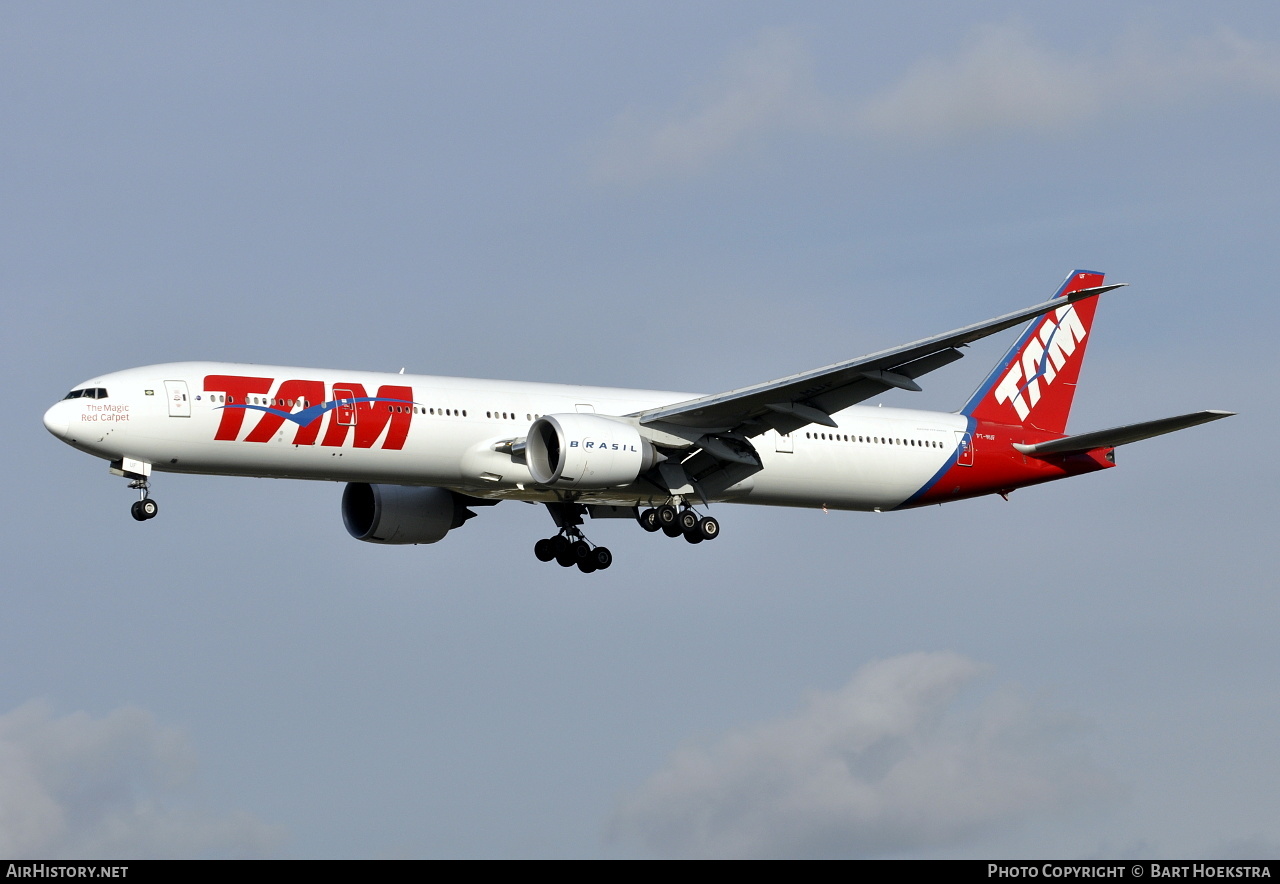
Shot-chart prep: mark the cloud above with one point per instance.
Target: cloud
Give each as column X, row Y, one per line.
column 1004, row 79
column 110, row 787
column 1001, row 79
column 884, row 765
column 765, row 86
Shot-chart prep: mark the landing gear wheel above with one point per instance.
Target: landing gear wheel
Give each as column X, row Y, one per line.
column 570, row 547
column 672, row 530
column 709, row 528
column 649, row 520
column 694, row 535
column 543, row 550
column 136, row 511
column 144, row 509
column 667, row 515
column 688, row 521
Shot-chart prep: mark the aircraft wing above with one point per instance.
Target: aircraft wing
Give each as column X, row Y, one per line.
column 1122, row 435
column 811, row 397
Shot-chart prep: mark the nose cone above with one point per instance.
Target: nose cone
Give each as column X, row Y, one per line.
column 57, row 420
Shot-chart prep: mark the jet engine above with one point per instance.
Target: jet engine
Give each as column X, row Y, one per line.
column 586, row 451
column 401, row 513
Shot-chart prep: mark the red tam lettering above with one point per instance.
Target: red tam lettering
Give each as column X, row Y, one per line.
column 371, row 418
column 238, row 390
column 312, row 392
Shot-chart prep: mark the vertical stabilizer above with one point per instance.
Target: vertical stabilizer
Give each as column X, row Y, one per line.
column 1034, row 383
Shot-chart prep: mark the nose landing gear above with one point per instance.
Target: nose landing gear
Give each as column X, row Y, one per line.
column 137, row 471
column 144, row 507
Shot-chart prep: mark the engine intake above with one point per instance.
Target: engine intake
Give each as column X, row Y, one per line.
column 586, row 451
column 401, row 513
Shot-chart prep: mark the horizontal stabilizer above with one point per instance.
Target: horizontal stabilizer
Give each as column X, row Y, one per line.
column 1122, row 435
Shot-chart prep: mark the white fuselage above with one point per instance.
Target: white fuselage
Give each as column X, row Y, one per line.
column 169, row 416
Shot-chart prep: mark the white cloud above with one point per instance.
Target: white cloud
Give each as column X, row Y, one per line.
column 765, row 86
column 883, row 765
column 1001, row 79
column 109, row 787
column 1004, row 79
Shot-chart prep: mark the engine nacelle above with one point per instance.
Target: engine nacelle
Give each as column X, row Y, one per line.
column 400, row 513
column 586, row 451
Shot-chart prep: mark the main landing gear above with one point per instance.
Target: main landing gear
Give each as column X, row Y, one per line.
column 144, row 507
column 679, row 523
column 568, row 550
column 569, row 547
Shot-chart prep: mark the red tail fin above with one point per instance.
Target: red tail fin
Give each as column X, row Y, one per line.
column 1034, row 383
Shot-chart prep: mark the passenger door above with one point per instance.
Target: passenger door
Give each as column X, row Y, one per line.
column 179, row 401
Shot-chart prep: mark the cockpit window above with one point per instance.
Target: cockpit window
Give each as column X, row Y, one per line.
column 88, row 393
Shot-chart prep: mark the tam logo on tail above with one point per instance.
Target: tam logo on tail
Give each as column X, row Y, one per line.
column 1043, row 356
column 1034, row 383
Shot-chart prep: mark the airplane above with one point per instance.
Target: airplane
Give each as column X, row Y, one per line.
column 418, row 453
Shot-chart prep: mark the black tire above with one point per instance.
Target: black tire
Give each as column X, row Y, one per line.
column 149, row 508
column 566, row 559
column 709, row 528
column 601, row 558
column 136, row 511
column 693, row 536
column 672, row 530
column 649, row 520
column 667, row 515
column 542, row 549
column 560, row 544
column 688, row 521
column 581, row 550
column 587, row 565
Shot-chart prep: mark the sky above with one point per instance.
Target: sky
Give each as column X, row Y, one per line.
column 688, row 196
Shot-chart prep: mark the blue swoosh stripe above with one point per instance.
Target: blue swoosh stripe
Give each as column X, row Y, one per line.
column 308, row 415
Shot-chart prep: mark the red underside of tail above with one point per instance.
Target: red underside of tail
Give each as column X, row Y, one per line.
column 991, row 465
